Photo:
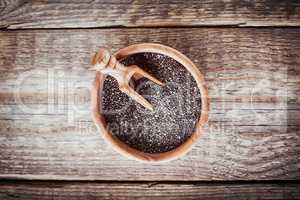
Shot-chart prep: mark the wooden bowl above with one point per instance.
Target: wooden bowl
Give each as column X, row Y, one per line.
column 123, row 148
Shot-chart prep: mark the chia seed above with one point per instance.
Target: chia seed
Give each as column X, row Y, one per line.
column 177, row 105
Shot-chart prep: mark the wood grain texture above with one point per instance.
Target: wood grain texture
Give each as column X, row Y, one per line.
column 46, row 130
column 76, row 190
column 77, row 152
column 18, row 14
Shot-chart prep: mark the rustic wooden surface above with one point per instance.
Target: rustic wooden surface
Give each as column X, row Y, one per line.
column 82, row 190
column 47, row 136
column 252, row 76
column 15, row 14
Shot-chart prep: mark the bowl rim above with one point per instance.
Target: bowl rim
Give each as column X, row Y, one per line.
column 126, row 150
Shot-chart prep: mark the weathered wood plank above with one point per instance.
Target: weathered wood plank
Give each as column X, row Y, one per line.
column 260, row 73
column 254, row 135
column 74, row 190
column 15, row 14
column 218, row 114
column 76, row 151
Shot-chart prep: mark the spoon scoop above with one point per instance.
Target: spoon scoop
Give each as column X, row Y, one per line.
column 107, row 64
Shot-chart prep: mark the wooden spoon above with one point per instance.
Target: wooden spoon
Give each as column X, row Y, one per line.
column 107, row 64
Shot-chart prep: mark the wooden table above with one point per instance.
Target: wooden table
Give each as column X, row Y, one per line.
column 249, row 52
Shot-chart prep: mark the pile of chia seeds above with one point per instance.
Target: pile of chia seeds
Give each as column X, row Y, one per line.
column 177, row 105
